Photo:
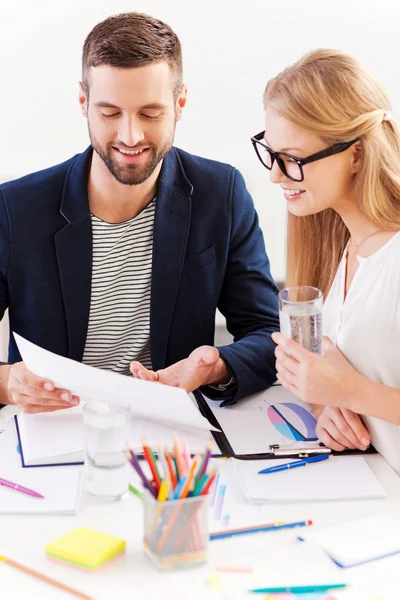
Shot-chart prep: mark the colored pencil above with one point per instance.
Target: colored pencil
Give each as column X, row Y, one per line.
column 200, row 485
column 206, row 458
column 135, row 491
column 209, row 483
column 179, row 488
column 219, row 535
column 189, row 481
column 163, row 493
column 186, row 454
column 180, row 466
column 300, row 589
column 135, row 464
column 172, row 472
column 152, row 464
column 44, row 578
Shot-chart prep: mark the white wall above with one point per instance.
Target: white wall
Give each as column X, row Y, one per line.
column 230, row 49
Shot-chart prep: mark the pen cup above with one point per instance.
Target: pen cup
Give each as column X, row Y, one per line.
column 176, row 532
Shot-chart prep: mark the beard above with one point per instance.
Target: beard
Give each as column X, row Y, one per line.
column 131, row 174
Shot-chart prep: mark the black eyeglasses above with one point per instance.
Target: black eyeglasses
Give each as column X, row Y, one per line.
column 290, row 165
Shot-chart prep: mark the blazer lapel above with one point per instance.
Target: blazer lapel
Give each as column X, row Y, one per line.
column 171, row 230
column 74, row 255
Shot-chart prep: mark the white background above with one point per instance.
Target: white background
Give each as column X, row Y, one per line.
column 230, row 51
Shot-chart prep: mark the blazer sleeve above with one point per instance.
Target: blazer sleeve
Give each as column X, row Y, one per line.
column 248, row 300
column 4, row 254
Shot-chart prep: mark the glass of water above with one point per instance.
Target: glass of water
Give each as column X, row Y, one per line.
column 106, row 432
column 300, row 316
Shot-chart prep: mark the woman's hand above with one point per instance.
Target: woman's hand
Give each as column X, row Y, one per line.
column 329, row 380
column 340, row 428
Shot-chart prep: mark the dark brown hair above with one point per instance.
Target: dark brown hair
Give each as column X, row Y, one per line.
column 132, row 40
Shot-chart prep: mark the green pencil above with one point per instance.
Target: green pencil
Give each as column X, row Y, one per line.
column 137, row 493
column 300, row 589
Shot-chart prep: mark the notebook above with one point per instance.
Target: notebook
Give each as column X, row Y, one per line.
column 57, row 438
column 357, row 542
column 338, row 478
column 61, row 491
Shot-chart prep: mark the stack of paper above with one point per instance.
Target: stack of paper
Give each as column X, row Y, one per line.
column 357, row 542
column 338, row 478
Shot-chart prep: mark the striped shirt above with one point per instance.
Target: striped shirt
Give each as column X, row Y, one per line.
column 119, row 319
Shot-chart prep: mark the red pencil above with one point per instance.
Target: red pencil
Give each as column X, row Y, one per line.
column 152, row 465
column 209, row 483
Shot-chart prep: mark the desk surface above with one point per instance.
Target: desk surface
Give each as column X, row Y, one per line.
column 277, row 557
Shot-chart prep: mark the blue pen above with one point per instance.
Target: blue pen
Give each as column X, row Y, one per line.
column 293, row 465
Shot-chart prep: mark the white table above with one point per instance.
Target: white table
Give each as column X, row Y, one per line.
column 278, row 556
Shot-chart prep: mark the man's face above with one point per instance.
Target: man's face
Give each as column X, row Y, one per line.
column 131, row 116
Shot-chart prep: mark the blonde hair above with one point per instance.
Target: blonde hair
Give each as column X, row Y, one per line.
column 327, row 92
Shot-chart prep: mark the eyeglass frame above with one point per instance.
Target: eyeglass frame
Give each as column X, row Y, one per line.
column 330, row 151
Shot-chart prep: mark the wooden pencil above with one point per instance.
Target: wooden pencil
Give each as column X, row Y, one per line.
column 45, row 578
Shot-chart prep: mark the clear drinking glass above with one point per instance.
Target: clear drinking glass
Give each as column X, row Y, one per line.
column 106, row 433
column 300, row 316
column 176, row 532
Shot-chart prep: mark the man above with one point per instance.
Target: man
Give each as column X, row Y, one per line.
column 120, row 256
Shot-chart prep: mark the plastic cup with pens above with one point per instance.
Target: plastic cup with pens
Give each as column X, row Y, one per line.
column 175, row 507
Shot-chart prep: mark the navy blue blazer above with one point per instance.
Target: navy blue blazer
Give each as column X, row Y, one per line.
column 208, row 252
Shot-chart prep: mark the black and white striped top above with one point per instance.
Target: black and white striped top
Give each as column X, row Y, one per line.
column 119, row 320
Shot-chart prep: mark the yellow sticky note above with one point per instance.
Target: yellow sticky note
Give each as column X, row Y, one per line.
column 85, row 548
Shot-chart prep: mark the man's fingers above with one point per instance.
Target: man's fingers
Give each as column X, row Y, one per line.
column 147, row 374
column 28, row 379
column 23, row 399
column 33, row 409
column 140, row 372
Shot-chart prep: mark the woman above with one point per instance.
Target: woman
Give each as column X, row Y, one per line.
column 332, row 145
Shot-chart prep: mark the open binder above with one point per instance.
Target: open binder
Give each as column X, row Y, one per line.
column 270, row 424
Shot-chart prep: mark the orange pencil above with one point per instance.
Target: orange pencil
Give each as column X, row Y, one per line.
column 186, row 489
column 171, row 470
column 180, row 465
column 44, row 578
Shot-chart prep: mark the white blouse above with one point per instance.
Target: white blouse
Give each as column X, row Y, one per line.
column 366, row 328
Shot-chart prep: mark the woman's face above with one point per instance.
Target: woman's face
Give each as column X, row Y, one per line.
column 327, row 183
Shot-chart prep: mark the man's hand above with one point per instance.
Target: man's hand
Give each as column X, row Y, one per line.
column 329, row 379
column 204, row 366
column 340, row 428
column 31, row 393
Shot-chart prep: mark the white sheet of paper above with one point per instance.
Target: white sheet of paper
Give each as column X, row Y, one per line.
column 148, row 400
column 338, row 478
column 359, row 541
column 60, row 487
